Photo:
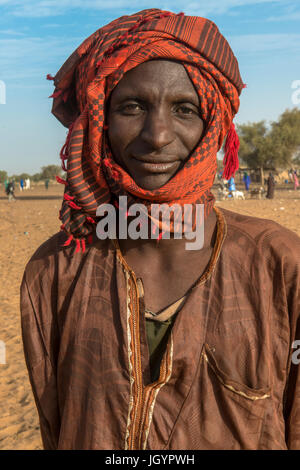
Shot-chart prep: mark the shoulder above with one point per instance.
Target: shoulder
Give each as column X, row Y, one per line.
column 53, row 259
column 258, row 229
column 45, row 254
column 262, row 237
column 49, row 247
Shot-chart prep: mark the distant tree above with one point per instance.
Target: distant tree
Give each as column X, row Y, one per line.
column 219, row 165
column 3, row 176
column 36, row 177
column 50, row 171
column 254, row 146
column 271, row 147
column 252, row 138
column 285, row 138
column 296, row 159
column 23, row 176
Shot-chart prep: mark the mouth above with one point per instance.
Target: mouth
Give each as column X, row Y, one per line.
column 155, row 165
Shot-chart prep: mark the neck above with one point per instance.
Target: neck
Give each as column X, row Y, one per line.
column 174, row 246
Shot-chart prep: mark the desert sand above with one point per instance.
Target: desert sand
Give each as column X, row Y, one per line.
column 25, row 224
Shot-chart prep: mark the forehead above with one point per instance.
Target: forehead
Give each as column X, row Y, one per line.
column 156, row 78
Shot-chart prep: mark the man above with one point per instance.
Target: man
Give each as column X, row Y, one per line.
column 10, row 191
column 231, row 186
column 247, row 180
column 271, row 186
column 141, row 343
column 27, row 183
column 296, row 181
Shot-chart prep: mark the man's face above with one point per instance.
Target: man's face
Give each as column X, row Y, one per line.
column 154, row 122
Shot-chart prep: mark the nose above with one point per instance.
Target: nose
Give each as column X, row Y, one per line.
column 158, row 130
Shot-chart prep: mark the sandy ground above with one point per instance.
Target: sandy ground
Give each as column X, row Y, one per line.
column 25, row 224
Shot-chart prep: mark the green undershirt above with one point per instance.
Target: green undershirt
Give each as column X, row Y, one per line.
column 157, row 336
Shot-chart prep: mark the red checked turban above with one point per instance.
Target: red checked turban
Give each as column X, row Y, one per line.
column 83, row 85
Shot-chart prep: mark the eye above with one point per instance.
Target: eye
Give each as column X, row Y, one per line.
column 131, row 108
column 186, row 110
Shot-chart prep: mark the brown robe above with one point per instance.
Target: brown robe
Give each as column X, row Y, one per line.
column 271, row 187
column 227, row 380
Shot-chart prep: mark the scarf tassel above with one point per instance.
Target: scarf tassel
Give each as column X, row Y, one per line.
column 80, row 243
column 90, row 220
column 231, row 159
column 74, row 206
column 56, row 94
column 60, row 180
column 64, row 153
column 68, row 242
column 67, row 197
column 78, row 246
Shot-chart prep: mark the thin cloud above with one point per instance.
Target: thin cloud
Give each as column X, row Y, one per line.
column 257, row 43
column 287, row 17
column 31, row 57
column 11, row 32
column 216, row 7
column 52, row 25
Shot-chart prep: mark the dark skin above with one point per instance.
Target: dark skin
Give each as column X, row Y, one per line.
column 154, row 125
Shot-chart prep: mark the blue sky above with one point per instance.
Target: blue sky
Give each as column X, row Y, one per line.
column 37, row 36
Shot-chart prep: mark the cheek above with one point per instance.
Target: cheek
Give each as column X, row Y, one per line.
column 191, row 134
column 194, row 134
column 117, row 137
column 120, row 133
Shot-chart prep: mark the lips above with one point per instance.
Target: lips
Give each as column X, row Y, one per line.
column 155, row 164
column 157, row 159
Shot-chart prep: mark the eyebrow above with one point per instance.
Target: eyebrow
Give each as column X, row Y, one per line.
column 179, row 97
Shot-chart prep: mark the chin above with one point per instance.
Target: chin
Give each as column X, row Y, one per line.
column 152, row 182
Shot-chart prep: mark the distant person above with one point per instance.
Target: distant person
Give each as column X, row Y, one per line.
column 27, row 183
column 296, row 181
column 247, row 180
column 21, row 184
column 47, row 183
column 10, row 191
column 6, row 182
column 231, row 185
column 271, row 186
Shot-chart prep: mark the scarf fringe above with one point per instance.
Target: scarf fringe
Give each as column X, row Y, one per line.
column 68, row 242
column 79, row 242
column 56, row 94
column 90, row 220
column 60, row 180
column 74, row 206
column 67, row 197
column 64, row 152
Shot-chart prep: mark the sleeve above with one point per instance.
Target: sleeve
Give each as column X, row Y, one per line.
column 292, row 391
column 39, row 337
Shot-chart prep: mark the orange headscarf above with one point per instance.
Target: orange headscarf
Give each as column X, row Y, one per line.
column 87, row 78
